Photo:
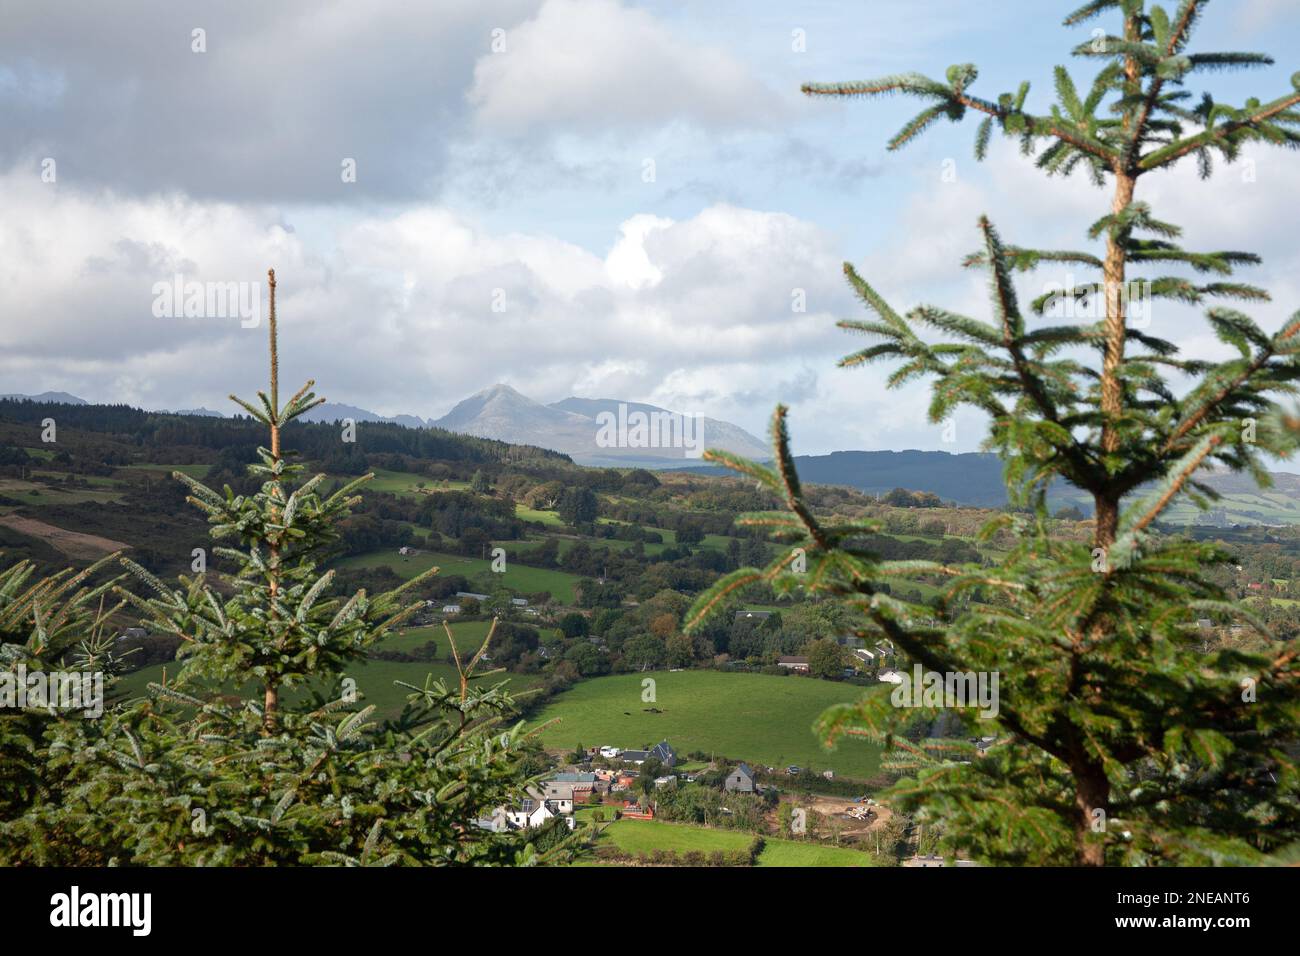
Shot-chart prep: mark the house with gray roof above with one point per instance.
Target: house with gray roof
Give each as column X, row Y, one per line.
column 740, row 780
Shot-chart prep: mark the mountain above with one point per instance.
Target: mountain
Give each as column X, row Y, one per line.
column 501, row 411
column 715, row 433
column 976, row 479
column 970, row 479
column 200, row 411
column 48, row 398
column 336, row 411
column 601, row 432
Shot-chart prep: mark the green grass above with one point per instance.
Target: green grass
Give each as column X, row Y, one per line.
column 405, row 483
column 551, row 518
column 375, row 681
column 645, row 836
column 95, row 481
column 613, row 544
column 794, row 853
column 755, row 717
column 469, row 637
column 194, row 471
column 36, row 494
column 516, row 577
column 1266, row 507
column 642, row 836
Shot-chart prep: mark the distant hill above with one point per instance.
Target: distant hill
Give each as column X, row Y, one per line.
column 599, row 432
column 715, row 433
column 573, row 426
column 969, row 479
column 336, row 411
column 976, row 479
column 47, row 398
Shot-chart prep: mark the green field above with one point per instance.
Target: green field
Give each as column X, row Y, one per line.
column 1263, row 507
column 755, row 717
column 516, row 577
column 613, row 544
column 469, row 637
column 532, row 514
column 1238, row 507
column 645, row 836
column 405, row 483
column 375, row 679
column 194, row 471
column 38, row 494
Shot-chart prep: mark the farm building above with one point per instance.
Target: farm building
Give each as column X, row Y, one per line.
column 572, row 786
column 740, row 780
column 660, row 751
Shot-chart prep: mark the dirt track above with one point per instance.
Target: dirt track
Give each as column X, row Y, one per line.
column 72, row 543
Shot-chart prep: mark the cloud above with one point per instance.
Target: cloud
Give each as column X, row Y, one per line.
column 282, row 95
column 407, row 312
column 411, row 311
column 593, row 66
column 504, row 231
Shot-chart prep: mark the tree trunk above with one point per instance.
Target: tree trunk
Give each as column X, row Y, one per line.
column 1091, row 792
column 1114, row 281
column 1107, row 512
column 271, row 703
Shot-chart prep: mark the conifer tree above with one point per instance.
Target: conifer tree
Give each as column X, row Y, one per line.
column 47, row 625
column 261, row 750
column 1118, row 740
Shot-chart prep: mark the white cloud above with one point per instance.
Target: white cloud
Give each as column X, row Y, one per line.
column 398, row 315
column 395, row 312
column 596, row 65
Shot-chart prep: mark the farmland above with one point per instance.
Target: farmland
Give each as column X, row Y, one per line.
column 755, row 717
column 376, row 679
column 517, row 577
column 645, row 836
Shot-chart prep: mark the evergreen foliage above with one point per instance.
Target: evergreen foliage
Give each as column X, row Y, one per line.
column 46, row 625
column 261, row 750
column 1118, row 740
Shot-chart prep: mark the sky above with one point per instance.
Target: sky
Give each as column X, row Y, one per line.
column 601, row 198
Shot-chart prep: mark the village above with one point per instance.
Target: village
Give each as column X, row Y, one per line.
column 611, row 785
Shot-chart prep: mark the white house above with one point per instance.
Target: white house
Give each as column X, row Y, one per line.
column 533, row 811
column 451, row 609
column 878, row 653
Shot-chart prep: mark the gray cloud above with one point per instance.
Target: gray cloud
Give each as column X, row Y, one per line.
column 284, row 93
